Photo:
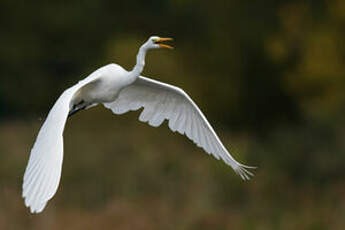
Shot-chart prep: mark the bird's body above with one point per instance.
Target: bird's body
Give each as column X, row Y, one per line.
column 102, row 89
column 121, row 91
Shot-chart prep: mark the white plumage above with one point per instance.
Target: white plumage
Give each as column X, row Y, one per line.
column 121, row 91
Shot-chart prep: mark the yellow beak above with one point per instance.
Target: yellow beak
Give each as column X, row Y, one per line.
column 160, row 40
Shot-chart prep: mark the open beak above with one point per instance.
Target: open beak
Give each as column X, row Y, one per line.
column 161, row 44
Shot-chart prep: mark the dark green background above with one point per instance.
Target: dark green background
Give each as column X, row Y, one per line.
column 270, row 77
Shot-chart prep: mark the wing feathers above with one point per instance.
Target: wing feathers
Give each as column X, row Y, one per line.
column 43, row 172
column 42, row 175
column 162, row 101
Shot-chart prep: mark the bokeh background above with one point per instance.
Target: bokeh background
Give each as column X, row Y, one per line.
column 270, row 77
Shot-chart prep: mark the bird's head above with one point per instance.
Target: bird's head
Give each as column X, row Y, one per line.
column 155, row 42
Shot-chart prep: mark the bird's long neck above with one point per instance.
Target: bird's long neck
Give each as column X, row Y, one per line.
column 138, row 68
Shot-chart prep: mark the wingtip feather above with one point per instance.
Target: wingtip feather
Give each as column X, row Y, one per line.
column 243, row 171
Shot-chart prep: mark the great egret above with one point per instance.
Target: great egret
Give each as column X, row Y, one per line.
column 121, row 91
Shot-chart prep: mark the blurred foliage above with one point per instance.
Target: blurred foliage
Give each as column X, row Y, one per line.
column 269, row 76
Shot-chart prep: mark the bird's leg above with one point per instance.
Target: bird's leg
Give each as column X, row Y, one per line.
column 77, row 107
column 76, row 110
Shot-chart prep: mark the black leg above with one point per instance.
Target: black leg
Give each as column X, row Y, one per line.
column 76, row 109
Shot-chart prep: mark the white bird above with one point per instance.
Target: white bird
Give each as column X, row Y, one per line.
column 121, row 91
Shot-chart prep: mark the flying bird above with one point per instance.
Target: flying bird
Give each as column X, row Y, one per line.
column 120, row 91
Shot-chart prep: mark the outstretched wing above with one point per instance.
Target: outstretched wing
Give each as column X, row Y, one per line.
column 43, row 172
column 163, row 101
